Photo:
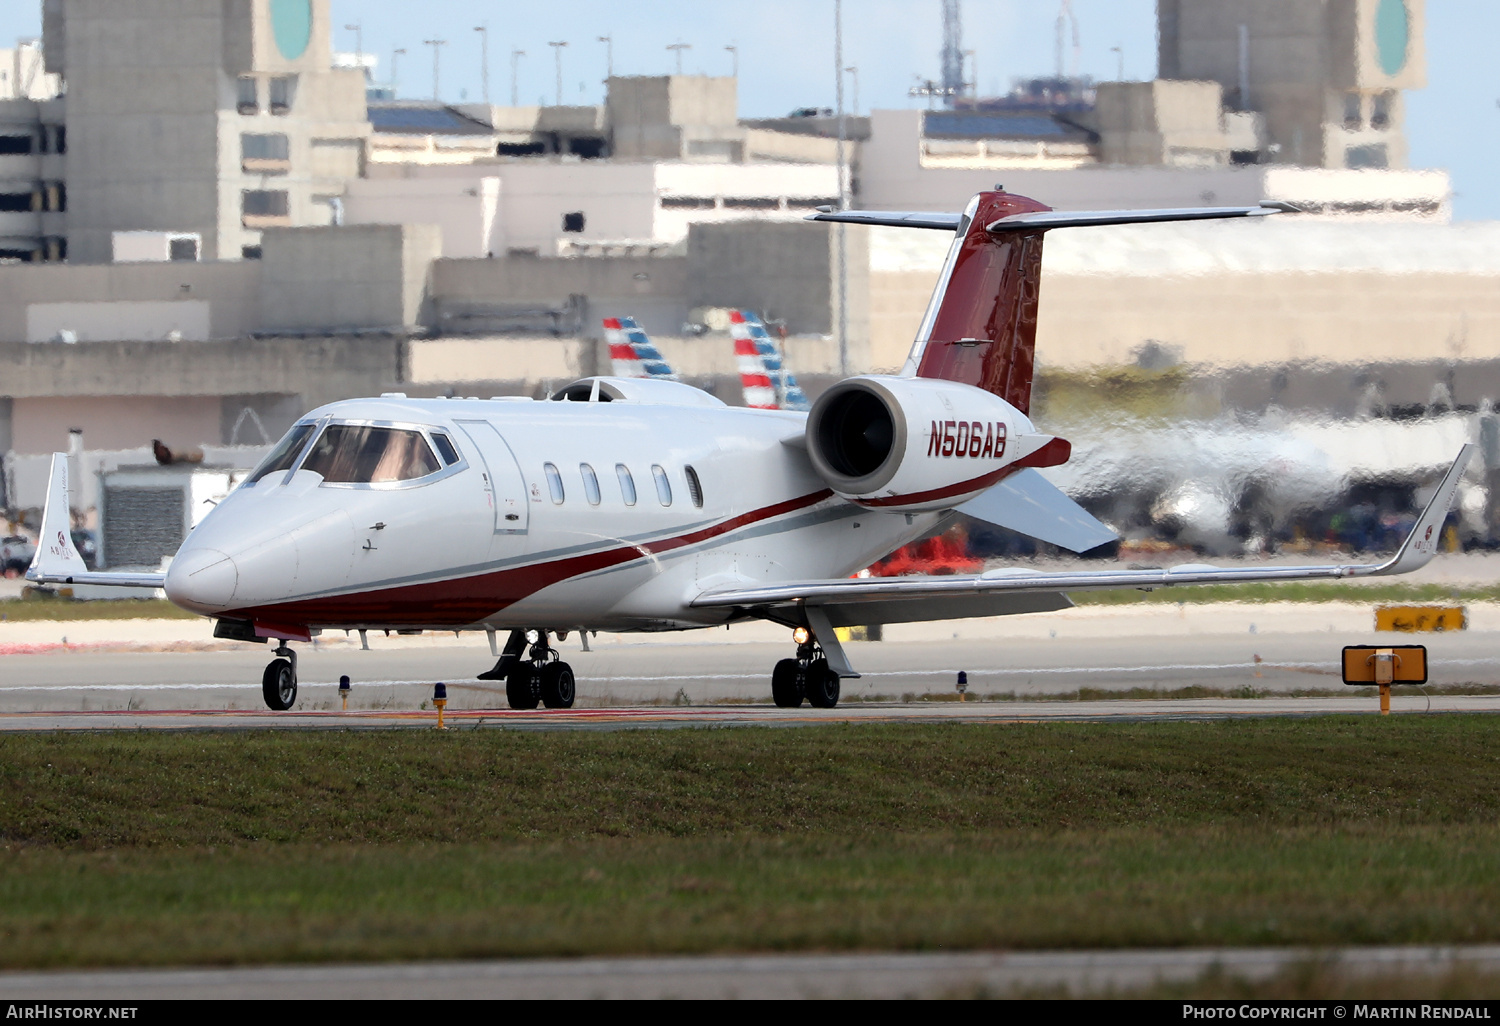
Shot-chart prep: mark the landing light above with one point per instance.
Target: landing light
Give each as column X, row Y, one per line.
column 801, row 635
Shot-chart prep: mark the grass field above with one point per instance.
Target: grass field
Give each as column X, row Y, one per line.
column 253, row 847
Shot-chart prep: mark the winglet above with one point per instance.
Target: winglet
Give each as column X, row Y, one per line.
column 1422, row 544
column 57, row 559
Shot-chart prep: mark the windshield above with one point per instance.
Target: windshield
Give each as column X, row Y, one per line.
column 285, row 453
column 358, row 454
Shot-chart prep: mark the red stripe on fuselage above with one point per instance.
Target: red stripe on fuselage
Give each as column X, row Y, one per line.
column 466, row 600
column 936, row 494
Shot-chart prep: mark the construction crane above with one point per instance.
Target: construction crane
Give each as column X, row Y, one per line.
column 953, row 52
column 1064, row 16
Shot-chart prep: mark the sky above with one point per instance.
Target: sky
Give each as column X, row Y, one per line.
column 786, row 56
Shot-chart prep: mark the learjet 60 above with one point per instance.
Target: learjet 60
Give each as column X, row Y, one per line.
column 644, row 504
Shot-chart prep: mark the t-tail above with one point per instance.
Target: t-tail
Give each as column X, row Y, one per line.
column 980, row 326
column 631, row 351
column 768, row 384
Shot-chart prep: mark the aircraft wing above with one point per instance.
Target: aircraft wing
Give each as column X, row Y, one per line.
column 57, row 560
column 884, row 598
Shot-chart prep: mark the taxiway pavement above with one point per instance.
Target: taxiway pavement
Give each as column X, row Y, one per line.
column 947, row 974
column 99, row 674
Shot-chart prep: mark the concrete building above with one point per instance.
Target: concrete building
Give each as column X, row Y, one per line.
column 668, row 118
column 1326, row 75
column 545, row 207
column 214, row 118
column 896, row 172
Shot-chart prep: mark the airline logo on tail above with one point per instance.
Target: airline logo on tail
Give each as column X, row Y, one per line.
column 632, row 353
column 762, row 372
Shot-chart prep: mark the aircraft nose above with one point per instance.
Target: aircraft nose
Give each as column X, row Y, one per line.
column 203, row 580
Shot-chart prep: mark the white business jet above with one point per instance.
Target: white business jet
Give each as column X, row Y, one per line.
column 639, row 504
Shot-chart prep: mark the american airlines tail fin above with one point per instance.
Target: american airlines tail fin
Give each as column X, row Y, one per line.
column 768, row 384
column 980, row 326
column 631, row 351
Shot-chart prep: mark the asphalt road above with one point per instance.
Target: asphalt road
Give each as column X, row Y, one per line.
column 962, row 974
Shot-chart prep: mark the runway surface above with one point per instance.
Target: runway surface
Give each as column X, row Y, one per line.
column 956, row 974
column 173, row 674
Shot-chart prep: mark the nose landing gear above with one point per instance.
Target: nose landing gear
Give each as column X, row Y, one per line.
column 539, row 678
column 278, row 684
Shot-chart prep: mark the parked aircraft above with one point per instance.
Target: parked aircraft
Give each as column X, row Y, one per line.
column 641, row 504
column 768, row 384
column 631, row 353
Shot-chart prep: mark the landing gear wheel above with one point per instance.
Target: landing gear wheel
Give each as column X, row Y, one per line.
column 279, row 685
column 520, row 687
column 557, row 686
column 786, row 684
column 822, row 685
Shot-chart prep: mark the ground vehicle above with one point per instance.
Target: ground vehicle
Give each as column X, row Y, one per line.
column 16, row 552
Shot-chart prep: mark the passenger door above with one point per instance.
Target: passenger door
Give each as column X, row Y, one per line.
column 503, row 484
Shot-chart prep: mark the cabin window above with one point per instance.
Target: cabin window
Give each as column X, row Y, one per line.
column 359, row 454
column 286, row 452
column 554, row 483
column 663, row 486
column 695, row 487
column 590, row 484
column 445, row 448
column 627, row 483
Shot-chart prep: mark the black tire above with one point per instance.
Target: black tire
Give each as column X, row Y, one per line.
column 520, row 687
column 278, row 685
column 822, row 685
column 557, row 686
column 786, row 684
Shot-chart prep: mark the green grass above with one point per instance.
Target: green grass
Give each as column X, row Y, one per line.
column 227, row 848
column 52, row 608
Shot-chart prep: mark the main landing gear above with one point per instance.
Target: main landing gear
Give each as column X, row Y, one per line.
column 279, row 683
column 807, row 676
column 541, row 677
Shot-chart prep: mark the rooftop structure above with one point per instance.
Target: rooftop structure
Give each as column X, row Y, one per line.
column 211, row 118
column 1326, row 75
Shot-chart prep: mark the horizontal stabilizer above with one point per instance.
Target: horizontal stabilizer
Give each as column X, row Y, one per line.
column 1045, row 219
column 1042, row 219
column 891, row 218
column 1029, row 504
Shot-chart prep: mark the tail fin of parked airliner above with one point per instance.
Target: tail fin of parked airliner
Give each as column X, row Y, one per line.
column 631, row 351
column 769, row 385
column 980, row 326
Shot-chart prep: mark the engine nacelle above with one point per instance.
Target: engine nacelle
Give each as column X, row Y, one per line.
column 913, row 445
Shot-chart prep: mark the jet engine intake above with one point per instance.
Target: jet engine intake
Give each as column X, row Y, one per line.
column 915, row 444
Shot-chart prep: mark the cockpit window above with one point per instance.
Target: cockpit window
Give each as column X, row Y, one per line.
column 445, row 448
column 358, row 454
column 286, row 452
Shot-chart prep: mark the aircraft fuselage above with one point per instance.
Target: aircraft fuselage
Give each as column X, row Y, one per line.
column 555, row 515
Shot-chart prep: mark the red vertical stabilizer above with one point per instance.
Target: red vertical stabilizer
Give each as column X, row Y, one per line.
column 983, row 316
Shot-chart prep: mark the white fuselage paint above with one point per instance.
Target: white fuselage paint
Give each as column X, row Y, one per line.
column 484, row 544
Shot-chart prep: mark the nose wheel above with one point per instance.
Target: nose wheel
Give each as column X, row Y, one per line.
column 278, row 684
column 540, row 679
